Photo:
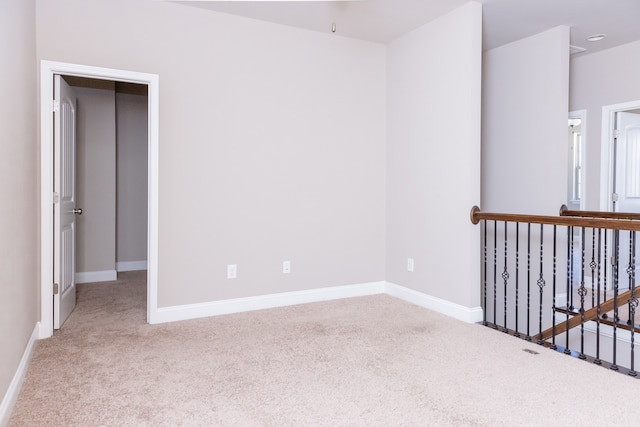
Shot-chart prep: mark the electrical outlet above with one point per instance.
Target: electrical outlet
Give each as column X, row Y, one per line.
column 410, row 264
column 286, row 267
column 232, row 271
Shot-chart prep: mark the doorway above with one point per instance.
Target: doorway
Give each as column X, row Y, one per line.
column 620, row 179
column 576, row 141
column 620, row 157
column 48, row 70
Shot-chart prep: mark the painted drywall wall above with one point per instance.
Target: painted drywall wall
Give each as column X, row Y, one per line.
column 131, row 177
column 96, row 178
column 272, row 143
column 595, row 82
column 433, row 156
column 524, row 124
column 18, row 186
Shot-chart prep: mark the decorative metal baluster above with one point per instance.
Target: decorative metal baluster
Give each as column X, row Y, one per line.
column 528, row 337
column 593, row 265
column 505, row 278
column 484, row 322
column 605, row 262
column 553, row 307
column 629, row 268
column 616, row 251
column 517, row 333
column 541, row 283
column 633, row 300
column 569, row 279
column 582, row 291
column 570, row 294
column 597, row 360
column 495, row 273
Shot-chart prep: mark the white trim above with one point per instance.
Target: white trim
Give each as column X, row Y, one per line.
column 96, row 276
column 606, row 150
column 591, row 327
column 561, row 300
column 582, row 115
column 131, row 265
column 448, row 308
column 239, row 305
column 607, row 331
column 47, row 70
column 11, row 396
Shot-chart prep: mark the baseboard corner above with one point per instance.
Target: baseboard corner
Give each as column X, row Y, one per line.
column 448, row 308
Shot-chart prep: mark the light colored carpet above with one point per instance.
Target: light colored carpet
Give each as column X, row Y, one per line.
column 370, row 361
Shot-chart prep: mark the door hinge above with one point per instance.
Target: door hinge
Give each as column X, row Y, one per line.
column 616, row 133
column 614, row 197
column 55, row 289
column 56, row 105
column 56, row 197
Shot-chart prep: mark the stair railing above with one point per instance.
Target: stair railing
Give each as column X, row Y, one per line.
column 571, row 252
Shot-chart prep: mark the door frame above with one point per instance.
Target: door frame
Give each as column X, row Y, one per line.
column 582, row 115
column 47, row 71
column 606, row 150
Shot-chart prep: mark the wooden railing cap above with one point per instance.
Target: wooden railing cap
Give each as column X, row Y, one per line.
column 474, row 211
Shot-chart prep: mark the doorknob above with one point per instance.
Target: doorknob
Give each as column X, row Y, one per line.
column 77, row 211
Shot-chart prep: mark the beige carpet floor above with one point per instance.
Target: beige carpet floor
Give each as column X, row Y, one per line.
column 370, row 361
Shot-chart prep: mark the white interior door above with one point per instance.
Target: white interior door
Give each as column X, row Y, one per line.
column 627, row 163
column 627, row 185
column 64, row 299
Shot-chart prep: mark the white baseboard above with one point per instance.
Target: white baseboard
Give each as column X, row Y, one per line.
column 561, row 300
column 11, row 396
column 457, row 311
column 131, row 265
column 239, row 305
column 96, row 276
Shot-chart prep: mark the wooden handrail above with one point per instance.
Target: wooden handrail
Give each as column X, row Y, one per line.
column 565, row 211
column 613, row 224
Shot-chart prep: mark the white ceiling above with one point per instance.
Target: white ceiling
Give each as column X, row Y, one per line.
column 504, row 21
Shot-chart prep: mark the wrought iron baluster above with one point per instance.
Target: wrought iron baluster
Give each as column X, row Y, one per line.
column 570, row 294
column 597, row 360
column 615, row 271
column 484, row 322
column 505, row 278
column 605, row 262
column 593, row 265
column 569, row 279
column 528, row 337
column 495, row 273
column 517, row 333
column 541, row 283
column 582, row 291
column 633, row 300
column 553, row 307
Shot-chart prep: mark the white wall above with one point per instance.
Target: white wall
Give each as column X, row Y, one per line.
column 433, row 156
column 272, row 143
column 603, row 78
column 96, row 178
column 524, row 124
column 131, row 177
column 18, row 186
